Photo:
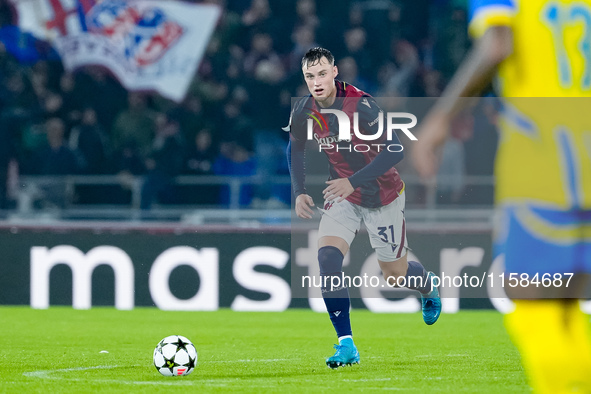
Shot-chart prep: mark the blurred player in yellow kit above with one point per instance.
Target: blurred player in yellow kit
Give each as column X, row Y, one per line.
column 540, row 53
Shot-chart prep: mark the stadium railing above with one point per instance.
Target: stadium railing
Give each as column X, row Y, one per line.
column 424, row 205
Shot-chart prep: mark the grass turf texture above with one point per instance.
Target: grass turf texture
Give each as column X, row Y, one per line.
column 58, row 350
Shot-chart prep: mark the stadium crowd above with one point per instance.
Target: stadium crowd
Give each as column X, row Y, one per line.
column 53, row 122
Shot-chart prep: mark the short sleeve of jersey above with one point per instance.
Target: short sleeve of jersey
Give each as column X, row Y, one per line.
column 487, row 13
column 369, row 113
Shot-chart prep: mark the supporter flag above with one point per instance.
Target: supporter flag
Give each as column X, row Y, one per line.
column 146, row 44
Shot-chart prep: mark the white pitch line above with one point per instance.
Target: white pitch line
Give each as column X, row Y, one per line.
column 50, row 374
column 45, row 374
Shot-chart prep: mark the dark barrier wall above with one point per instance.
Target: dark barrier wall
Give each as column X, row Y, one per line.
column 210, row 268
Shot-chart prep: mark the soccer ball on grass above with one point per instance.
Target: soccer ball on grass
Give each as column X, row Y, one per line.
column 175, row 355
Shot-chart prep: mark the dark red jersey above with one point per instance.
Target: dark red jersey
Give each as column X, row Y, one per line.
column 346, row 157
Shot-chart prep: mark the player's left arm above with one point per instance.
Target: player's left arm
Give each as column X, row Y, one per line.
column 391, row 154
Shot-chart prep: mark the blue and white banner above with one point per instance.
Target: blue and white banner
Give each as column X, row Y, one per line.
column 146, row 44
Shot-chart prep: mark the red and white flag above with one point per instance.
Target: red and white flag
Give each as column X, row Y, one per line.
column 146, row 44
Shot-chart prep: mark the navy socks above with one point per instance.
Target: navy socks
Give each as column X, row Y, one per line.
column 417, row 278
column 334, row 293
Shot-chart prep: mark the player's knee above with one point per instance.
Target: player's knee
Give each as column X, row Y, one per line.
column 330, row 260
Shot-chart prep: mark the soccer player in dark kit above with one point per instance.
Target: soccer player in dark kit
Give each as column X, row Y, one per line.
column 363, row 186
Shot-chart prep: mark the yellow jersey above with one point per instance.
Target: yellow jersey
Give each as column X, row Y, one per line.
column 544, row 153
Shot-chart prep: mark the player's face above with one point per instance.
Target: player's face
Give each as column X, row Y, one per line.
column 320, row 80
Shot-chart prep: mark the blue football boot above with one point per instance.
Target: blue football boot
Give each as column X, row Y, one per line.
column 431, row 304
column 346, row 354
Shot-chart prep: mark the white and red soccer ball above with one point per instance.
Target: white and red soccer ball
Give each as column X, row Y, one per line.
column 175, row 355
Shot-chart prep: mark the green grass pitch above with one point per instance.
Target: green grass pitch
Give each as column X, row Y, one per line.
column 59, row 350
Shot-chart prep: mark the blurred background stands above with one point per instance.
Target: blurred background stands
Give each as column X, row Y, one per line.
column 79, row 146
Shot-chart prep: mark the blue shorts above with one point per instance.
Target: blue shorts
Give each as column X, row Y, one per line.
column 540, row 240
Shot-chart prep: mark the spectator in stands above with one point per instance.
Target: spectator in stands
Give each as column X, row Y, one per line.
column 128, row 160
column 52, row 105
column 211, row 89
column 333, row 15
column 348, row 71
column 72, row 101
column 201, row 155
column 258, row 18
column 128, row 163
column 234, row 67
column 269, row 145
column 303, row 39
column 165, row 161
column 258, row 14
column 235, row 160
column 190, row 117
column 18, row 92
column 131, row 139
column 382, row 23
column 261, row 49
column 55, row 157
column 90, row 141
column 227, row 31
column 394, row 24
column 356, row 16
column 103, row 93
column 306, row 15
column 432, row 83
column 452, row 169
column 400, row 70
column 135, row 125
column 235, row 123
column 39, row 75
column 355, row 43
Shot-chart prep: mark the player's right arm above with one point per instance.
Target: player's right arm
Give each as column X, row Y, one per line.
column 296, row 159
column 492, row 23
